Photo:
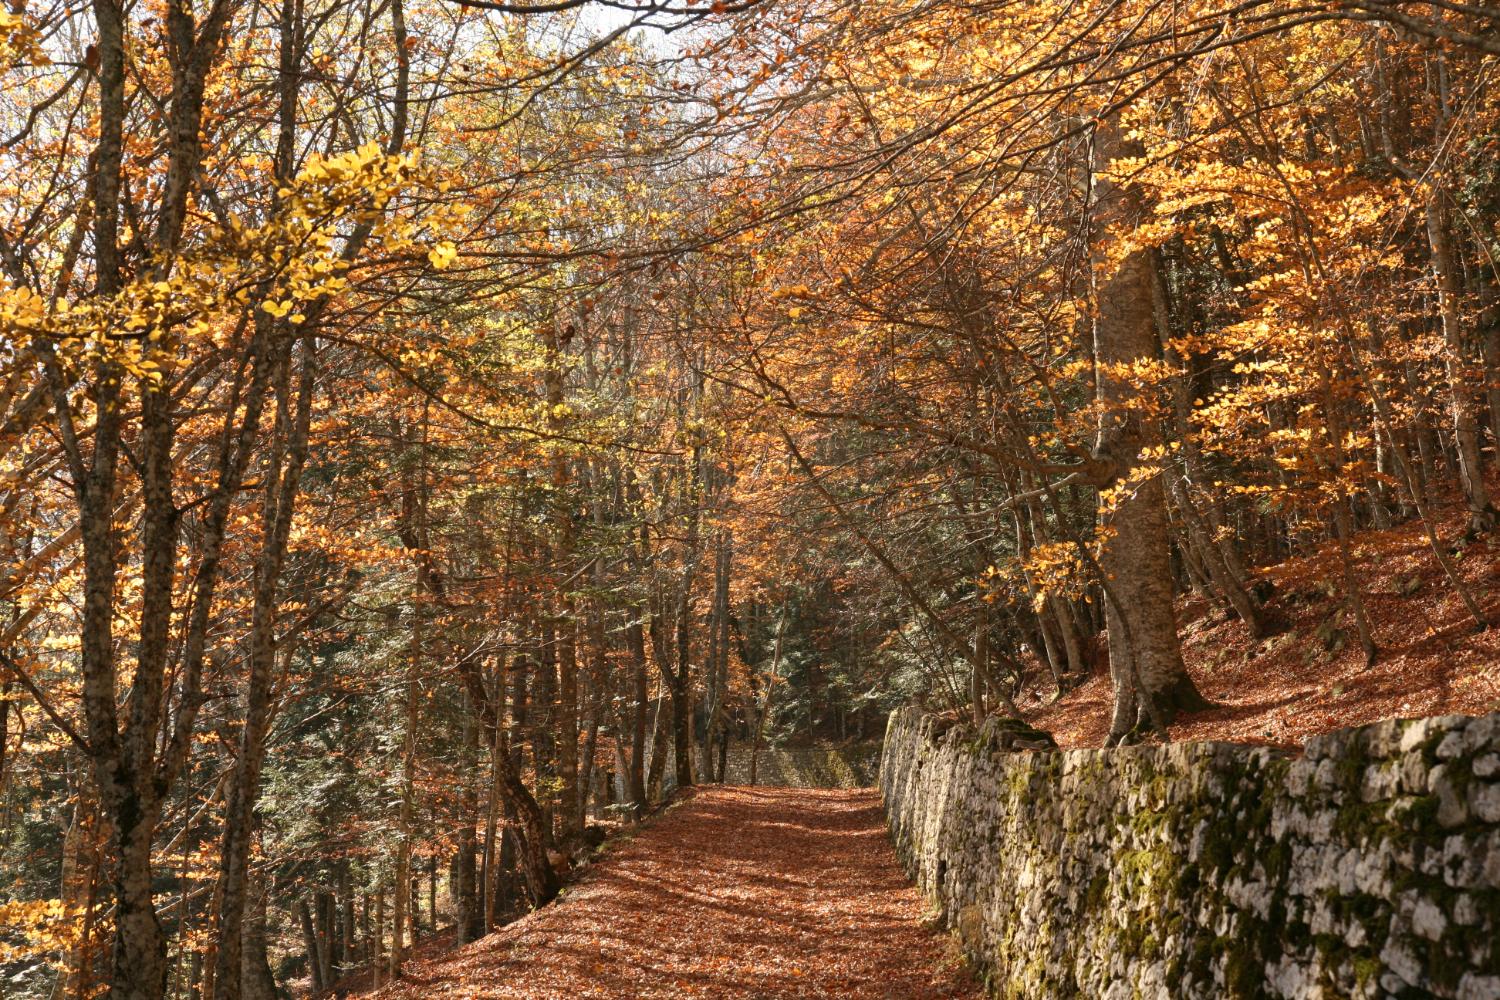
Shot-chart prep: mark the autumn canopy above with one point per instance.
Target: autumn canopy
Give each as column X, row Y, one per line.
column 431, row 428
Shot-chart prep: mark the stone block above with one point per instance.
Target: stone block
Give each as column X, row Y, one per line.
column 1355, row 871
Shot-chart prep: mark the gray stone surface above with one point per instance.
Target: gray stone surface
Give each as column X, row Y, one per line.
column 1367, row 867
column 855, row 766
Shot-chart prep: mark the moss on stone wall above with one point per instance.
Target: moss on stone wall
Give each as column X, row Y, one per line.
column 1369, row 866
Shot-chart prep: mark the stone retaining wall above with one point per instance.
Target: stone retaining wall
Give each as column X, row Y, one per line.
column 855, row 766
column 1367, row 867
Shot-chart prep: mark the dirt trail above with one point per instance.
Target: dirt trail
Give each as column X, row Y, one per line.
column 739, row 893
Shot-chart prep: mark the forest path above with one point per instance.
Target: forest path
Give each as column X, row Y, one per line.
column 738, row 893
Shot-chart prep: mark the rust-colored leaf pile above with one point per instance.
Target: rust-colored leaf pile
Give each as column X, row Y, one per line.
column 1292, row 684
column 739, row 893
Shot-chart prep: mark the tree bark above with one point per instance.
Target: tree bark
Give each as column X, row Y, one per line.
column 1463, row 401
column 1145, row 656
column 310, row 947
column 257, row 982
column 635, row 637
column 470, row 917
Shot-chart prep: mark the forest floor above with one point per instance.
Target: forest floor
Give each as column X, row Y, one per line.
column 735, row 893
column 1310, row 675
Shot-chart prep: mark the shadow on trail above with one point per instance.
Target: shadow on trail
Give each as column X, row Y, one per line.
column 739, row 893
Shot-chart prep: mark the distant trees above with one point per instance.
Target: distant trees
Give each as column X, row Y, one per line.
column 1167, row 286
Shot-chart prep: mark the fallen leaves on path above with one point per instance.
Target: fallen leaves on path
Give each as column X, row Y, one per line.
column 739, row 893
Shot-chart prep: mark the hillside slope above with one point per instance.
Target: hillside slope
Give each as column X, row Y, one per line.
column 1310, row 676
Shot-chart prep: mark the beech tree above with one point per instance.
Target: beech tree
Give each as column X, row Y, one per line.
column 430, row 430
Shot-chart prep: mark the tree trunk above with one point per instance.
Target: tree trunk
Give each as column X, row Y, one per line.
column 656, row 765
column 1151, row 683
column 346, row 896
column 377, row 937
column 1489, row 345
column 470, row 918
column 322, row 913
column 682, row 739
column 140, row 949
column 310, row 947
column 1463, row 403
column 489, row 882
column 635, row 636
column 282, row 477
column 766, row 700
column 566, row 626
column 256, row 980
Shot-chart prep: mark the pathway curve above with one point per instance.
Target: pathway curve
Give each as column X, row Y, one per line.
column 739, row 893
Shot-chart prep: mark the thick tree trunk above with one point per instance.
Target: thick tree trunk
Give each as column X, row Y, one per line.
column 1150, row 681
column 140, row 949
column 257, row 982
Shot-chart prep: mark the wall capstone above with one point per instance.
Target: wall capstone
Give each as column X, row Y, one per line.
column 1367, row 867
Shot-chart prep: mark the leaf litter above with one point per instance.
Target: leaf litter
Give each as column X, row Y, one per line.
column 737, row 893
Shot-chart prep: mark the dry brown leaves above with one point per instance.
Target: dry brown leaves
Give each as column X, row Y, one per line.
column 738, row 893
column 1288, row 687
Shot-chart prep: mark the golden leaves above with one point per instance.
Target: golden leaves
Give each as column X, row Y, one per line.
column 1055, row 569
column 442, row 256
column 278, row 267
column 45, row 927
column 20, row 41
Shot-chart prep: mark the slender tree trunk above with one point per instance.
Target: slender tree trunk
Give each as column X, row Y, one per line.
column 76, row 887
column 567, row 650
column 767, row 698
column 569, row 819
column 544, row 718
column 377, row 938
column 590, row 747
column 657, row 762
column 470, row 919
column 635, row 637
column 282, row 477
column 1463, row 404
column 322, row 911
column 490, row 880
column 714, row 684
column 310, row 947
column 1489, row 340
column 346, row 897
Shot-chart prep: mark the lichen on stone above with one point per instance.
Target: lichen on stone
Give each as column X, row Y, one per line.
column 1369, row 866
